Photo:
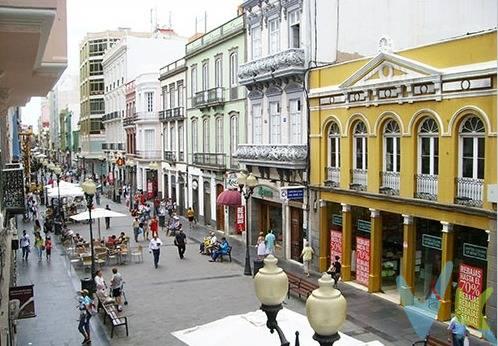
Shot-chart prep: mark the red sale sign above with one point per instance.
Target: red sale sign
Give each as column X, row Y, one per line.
column 241, row 219
column 362, row 260
column 468, row 302
column 335, row 245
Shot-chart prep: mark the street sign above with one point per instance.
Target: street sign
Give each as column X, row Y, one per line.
column 431, row 241
column 337, row 219
column 363, row 226
column 292, row 193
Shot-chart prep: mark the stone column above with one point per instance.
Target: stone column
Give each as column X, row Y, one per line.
column 408, row 261
column 375, row 278
column 324, row 238
column 347, row 233
column 447, row 252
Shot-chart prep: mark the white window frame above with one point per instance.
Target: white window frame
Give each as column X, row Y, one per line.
column 275, row 122
column 274, row 36
column 195, row 136
column 234, row 133
column 193, row 80
column 205, row 76
column 234, row 67
column 293, row 19
column 219, row 134
column 181, row 138
column 476, row 137
column 395, row 137
column 172, row 96
column 257, row 123
column 205, row 135
column 364, row 143
column 180, row 87
column 218, row 72
column 172, row 137
column 256, row 43
column 149, row 99
column 334, row 141
column 295, row 121
column 433, row 137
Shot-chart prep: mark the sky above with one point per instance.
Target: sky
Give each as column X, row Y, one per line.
column 98, row 15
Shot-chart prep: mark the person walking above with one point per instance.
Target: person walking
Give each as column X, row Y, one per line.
column 261, row 247
column 180, row 242
column 458, row 331
column 270, row 243
column 136, row 228
column 190, row 217
column 107, row 219
column 84, row 306
column 154, row 226
column 154, row 247
column 39, row 245
column 25, row 243
column 48, row 247
column 116, row 285
column 307, row 255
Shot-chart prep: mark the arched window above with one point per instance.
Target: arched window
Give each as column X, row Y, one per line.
column 392, row 155
column 334, row 146
column 195, row 138
column 360, row 146
column 219, row 134
column 471, row 156
column 205, row 135
column 428, row 147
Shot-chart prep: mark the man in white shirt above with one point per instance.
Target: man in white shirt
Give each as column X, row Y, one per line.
column 154, row 247
column 25, row 242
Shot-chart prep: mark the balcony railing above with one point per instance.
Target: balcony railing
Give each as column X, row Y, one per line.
column 333, row 176
column 209, row 160
column 234, row 162
column 172, row 114
column 120, row 146
column 359, row 180
column 112, row 116
column 390, row 183
column 169, row 156
column 427, row 187
column 291, row 156
column 469, row 192
column 129, row 121
column 206, row 98
column 149, row 154
column 146, row 115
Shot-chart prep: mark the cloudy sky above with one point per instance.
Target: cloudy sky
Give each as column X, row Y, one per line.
column 98, row 15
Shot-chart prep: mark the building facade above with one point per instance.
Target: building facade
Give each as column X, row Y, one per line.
column 403, row 148
column 173, row 78
column 281, row 45
column 216, row 118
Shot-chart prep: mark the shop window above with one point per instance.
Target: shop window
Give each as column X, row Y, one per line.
column 472, row 133
column 392, row 155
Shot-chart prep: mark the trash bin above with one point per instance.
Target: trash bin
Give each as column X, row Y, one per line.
column 88, row 284
column 258, row 264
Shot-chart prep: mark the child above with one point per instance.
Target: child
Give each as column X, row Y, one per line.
column 307, row 255
column 48, row 248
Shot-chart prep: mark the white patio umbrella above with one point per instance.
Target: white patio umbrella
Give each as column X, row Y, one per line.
column 65, row 192
column 250, row 329
column 97, row 213
column 64, row 184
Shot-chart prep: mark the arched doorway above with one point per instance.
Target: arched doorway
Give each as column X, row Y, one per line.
column 220, row 210
column 207, row 203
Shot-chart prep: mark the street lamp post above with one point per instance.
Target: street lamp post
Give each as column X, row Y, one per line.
column 58, row 223
column 89, row 188
column 247, row 183
column 325, row 307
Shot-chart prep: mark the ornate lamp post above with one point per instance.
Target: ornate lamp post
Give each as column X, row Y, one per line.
column 131, row 164
column 89, row 188
column 58, row 223
column 247, row 183
column 325, row 308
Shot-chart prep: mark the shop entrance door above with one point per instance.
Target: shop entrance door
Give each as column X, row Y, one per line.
column 392, row 252
column 181, row 199
column 296, row 233
column 220, row 212
column 207, row 203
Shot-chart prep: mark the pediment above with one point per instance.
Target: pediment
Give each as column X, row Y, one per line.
column 386, row 67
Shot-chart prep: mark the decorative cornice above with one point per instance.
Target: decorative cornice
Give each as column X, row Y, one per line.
column 274, row 155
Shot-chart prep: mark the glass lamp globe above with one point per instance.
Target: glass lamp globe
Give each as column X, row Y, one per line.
column 271, row 283
column 89, row 187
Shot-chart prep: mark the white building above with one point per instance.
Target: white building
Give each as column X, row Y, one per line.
column 173, row 179
column 122, row 63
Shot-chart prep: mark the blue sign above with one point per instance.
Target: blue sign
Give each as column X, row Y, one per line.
column 295, row 194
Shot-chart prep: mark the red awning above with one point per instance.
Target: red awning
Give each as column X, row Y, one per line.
column 230, row 198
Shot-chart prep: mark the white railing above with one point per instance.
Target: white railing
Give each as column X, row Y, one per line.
column 390, row 183
column 469, row 192
column 333, row 176
column 427, row 186
column 359, row 179
column 147, row 115
column 149, row 154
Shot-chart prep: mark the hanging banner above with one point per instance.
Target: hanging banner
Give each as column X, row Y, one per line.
column 241, row 219
column 335, row 245
column 468, row 301
column 362, row 260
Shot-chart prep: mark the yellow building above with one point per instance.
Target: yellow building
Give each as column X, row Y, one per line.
column 403, row 150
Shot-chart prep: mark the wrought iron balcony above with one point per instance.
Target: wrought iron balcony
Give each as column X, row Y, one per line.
column 469, row 192
column 170, row 156
column 287, row 62
column 208, row 98
column 149, row 154
column 390, row 183
column 333, row 175
column 290, row 156
column 112, row 116
column 129, row 121
column 359, row 179
column 172, row 114
column 427, row 186
column 210, row 160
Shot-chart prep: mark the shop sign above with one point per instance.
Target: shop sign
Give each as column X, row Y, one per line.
column 292, row 193
column 232, row 180
column 468, row 301
column 431, row 241
column 362, row 260
column 363, row 226
column 265, row 192
column 475, row 251
column 25, row 295
column 335, row 245
column 241, row 219
column 337, row 219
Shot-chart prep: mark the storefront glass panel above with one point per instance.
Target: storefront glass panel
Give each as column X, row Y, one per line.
column 334, row 217
column 392, row 251
column 360, row 237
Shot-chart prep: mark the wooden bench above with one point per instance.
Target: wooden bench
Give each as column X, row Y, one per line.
column 300, row 285
column 432, row 341
column 116, row 319
column 229, row 254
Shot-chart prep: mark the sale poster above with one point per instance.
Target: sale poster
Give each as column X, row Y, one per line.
column 335, row 245
column 468, row 303
column 362, row 260
column 241, row 219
